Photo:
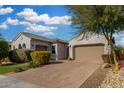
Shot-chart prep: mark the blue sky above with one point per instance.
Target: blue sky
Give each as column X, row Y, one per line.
column 49, row 21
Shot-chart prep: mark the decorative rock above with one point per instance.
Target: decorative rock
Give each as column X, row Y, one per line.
column 114, row 80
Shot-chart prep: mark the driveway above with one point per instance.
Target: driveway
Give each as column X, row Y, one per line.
column 65, row 74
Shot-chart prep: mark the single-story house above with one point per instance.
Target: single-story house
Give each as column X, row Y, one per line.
column 80, row 48
column 58, row 48
column 88, row 48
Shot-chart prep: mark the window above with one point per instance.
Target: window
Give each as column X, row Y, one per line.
column 24, row 45
column 53, row 49
column 19, row 46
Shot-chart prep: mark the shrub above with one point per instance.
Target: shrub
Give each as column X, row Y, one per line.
column 34, row 64
column 28, row 52
column 40, row 57
column 3, row 49
column 21, row 68
column 20, row 55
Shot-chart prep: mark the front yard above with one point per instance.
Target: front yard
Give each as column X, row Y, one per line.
column 21, row 60
column 10, row 68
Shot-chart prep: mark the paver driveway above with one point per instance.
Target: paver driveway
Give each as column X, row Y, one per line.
column 65, row 75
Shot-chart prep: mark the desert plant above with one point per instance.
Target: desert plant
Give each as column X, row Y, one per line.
column 40, row 57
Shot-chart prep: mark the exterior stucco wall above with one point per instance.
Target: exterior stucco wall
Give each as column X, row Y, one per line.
column 92, row 39
column 21, row 40
column 61, row 51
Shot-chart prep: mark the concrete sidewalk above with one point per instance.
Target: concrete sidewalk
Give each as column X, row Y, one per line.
column 9, row 82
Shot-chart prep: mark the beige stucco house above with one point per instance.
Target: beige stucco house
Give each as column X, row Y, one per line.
column 80, row 48
column 88, row 48
column 57, row 48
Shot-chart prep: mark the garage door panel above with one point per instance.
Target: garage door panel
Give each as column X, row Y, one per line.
column 89, row 53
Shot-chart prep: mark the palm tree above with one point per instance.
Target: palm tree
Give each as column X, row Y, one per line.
column 106, row 20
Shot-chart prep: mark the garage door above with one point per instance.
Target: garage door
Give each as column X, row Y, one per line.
column 90, row 53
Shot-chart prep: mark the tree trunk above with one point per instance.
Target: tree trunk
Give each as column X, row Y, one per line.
column 110, row 60
column 116, row 68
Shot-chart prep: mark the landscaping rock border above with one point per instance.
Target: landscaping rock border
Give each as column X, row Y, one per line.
column 113, row 80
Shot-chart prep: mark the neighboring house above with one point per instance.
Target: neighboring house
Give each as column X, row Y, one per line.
column 90, row 48
column 57, row 48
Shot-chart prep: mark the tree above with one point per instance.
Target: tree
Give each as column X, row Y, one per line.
column 3, row 48
column 105, row 20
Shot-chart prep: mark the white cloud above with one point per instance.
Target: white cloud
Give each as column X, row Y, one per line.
column 25, row 23
column 121, row 42
column 41, row 18
column 40, row 28
column 4, row 11
column 3, row 26
column 119, row 38
column 30, row 15
column 65, row 20
column 48, row 34
column 11, row 21
column 27, row 12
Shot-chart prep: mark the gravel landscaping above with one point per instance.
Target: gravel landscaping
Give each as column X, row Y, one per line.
column 113, row 80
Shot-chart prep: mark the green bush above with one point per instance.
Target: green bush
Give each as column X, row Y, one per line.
column 3, row 49
column 33, row 64
column 21, row 68
column 40, row 57
column 28, row 52
column 20, row 55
